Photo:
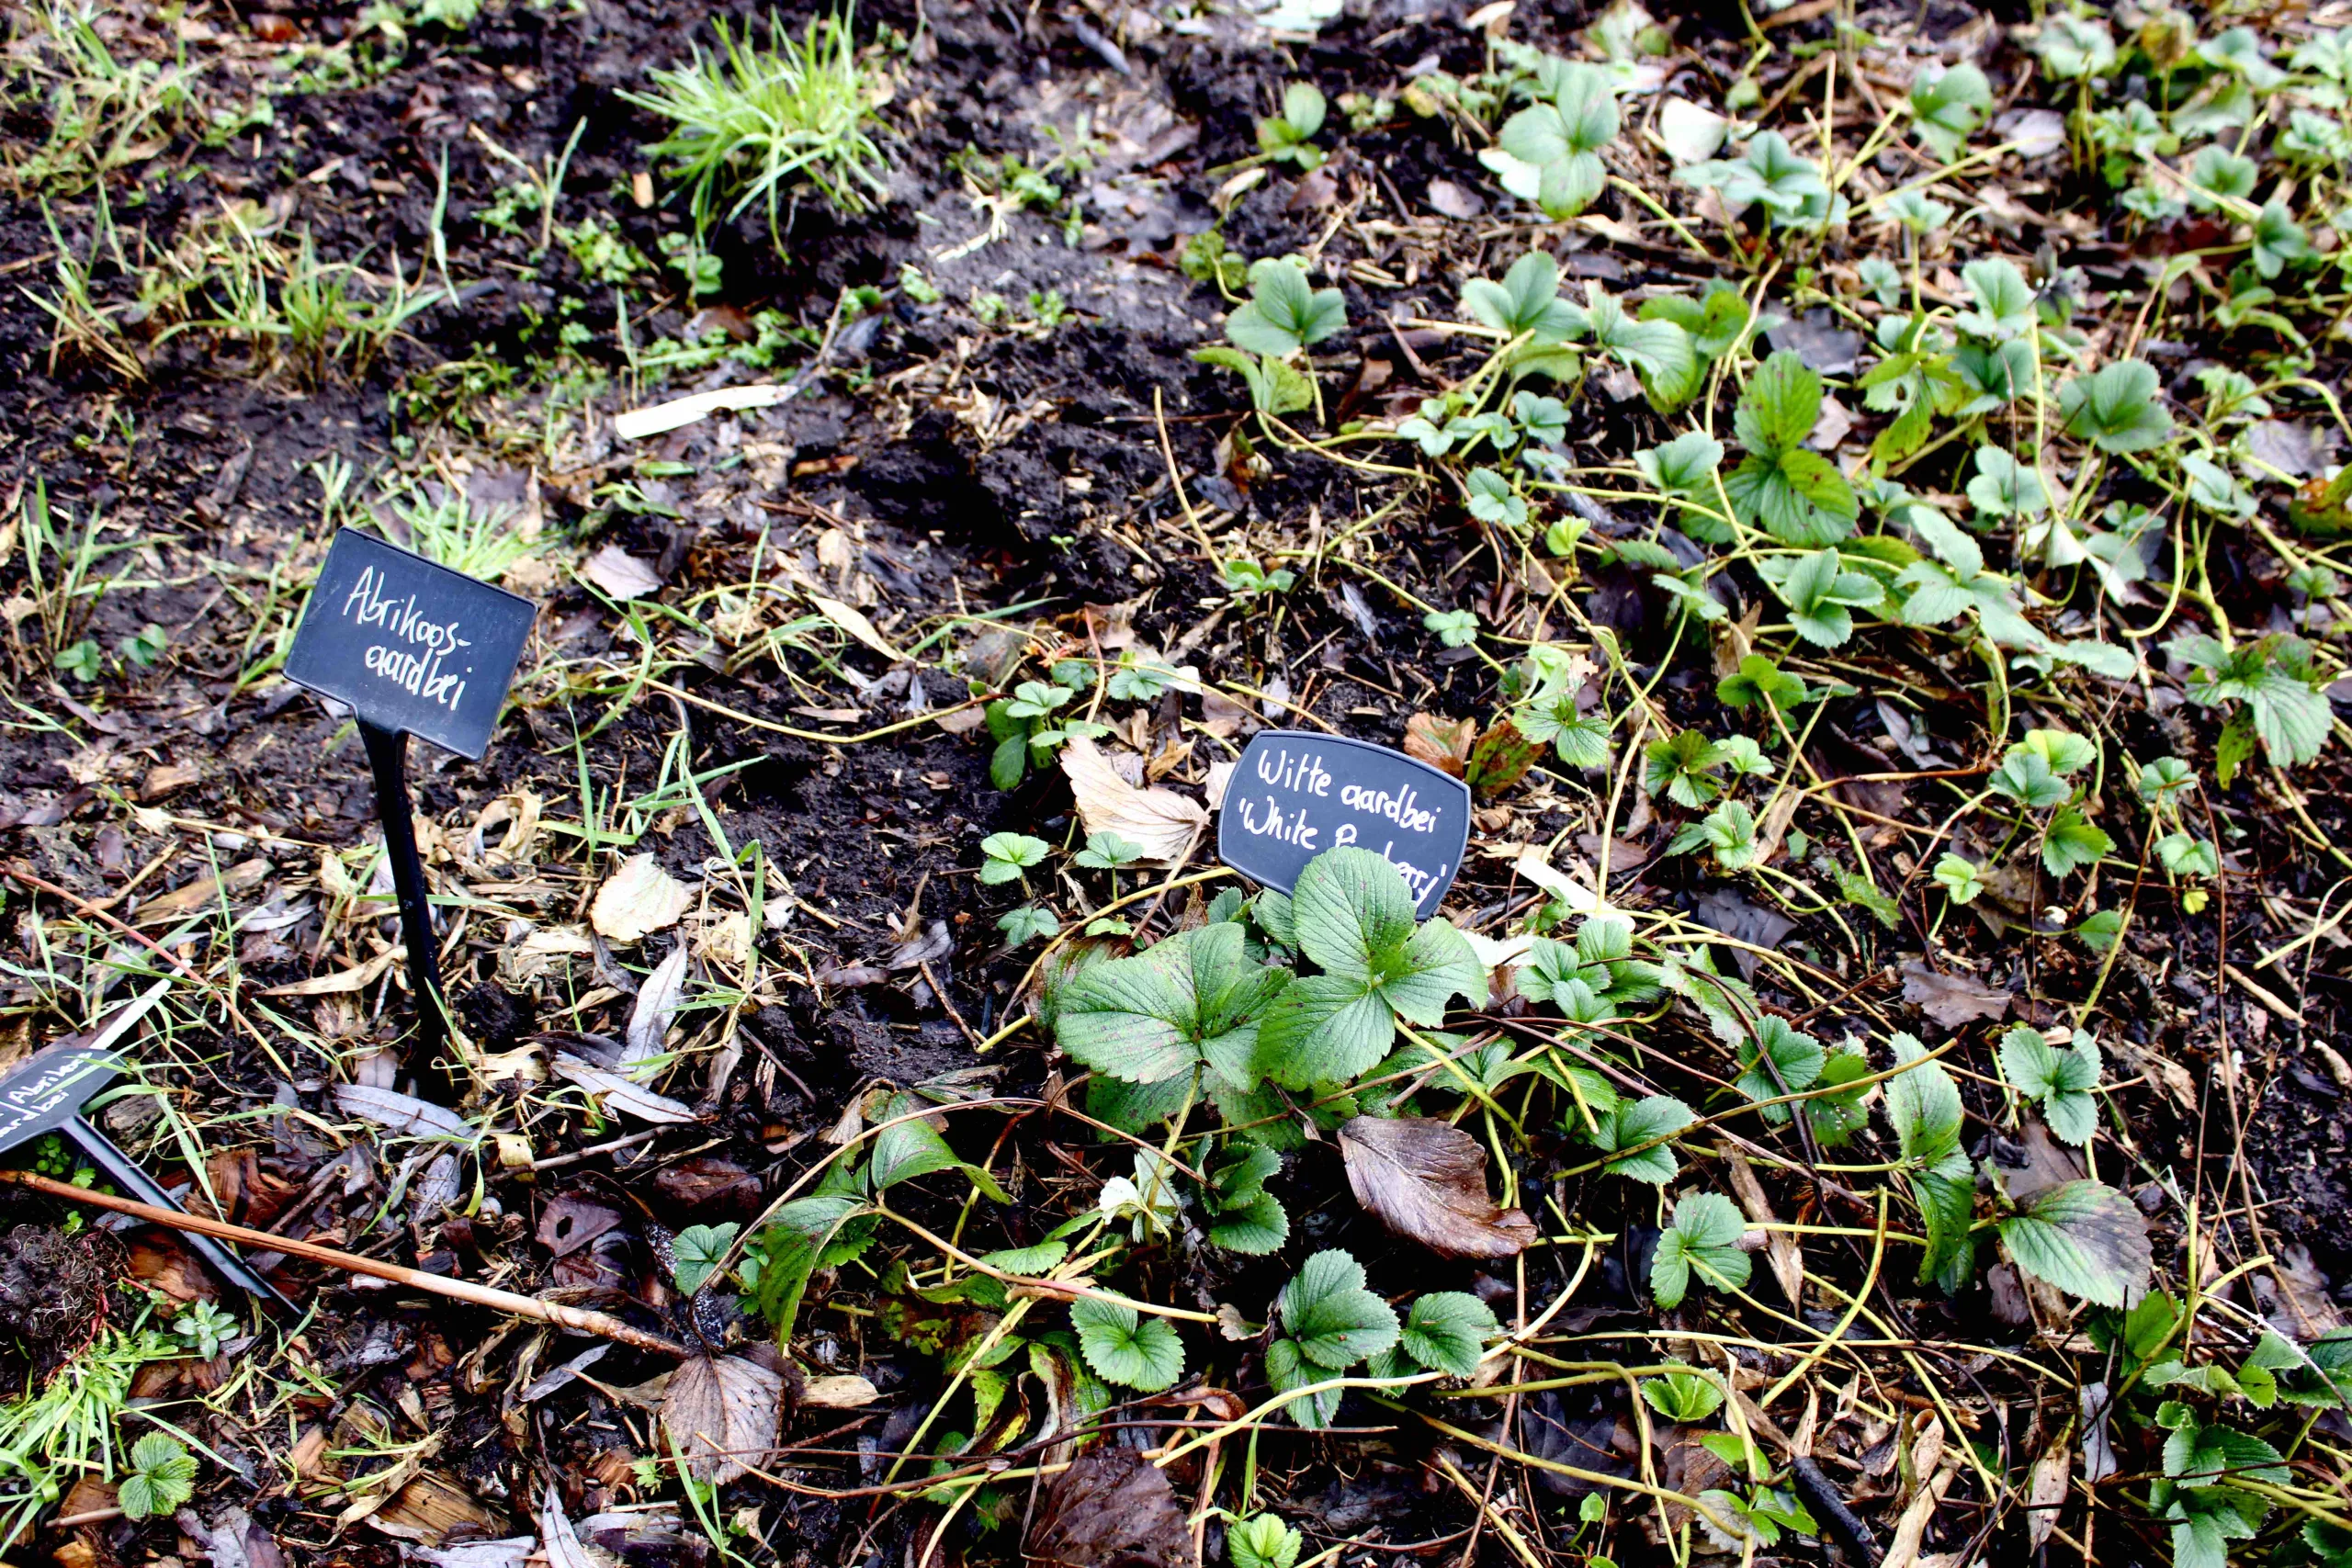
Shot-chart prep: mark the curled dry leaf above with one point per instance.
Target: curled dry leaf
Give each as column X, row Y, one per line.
column 571, row 1222
column 853, row 620
column 1443, row 743
column 638, row 900
column 847, row 1392
column 723, row 1413
column 1426, row 1180
column 1781, row 1248
column 402, row 1114
column 563, row 1548
column 2050, row 1474
column 1953, row 1000
column 620, row 574
column 1112, row 1508
column 1162, row 822
column 657, row 1004
column 624, row 1095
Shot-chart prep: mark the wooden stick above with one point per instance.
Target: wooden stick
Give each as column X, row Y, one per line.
column 577, row 1320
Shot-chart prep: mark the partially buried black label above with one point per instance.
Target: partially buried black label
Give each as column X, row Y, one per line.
column 409, row 644
column 1294, row 796
column 43, row 1094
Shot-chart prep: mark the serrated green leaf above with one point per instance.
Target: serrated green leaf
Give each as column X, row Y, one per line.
column 1923, row 1103
column 1796, row 1061
column 1125, row 1348
column 1633, row 1124
column 1446, row 1331
column 1333, row 1320
column 1778, row 407
column 1946, row 1193
column 2084, row 1237
column 1195, row 997
column 2201, row 1455
column 2116, row 408
column 1703, row 1240
column 696, row 1252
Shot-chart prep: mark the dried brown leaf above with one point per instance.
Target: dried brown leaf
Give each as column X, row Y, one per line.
column 1163, row 822
column 1427, row 1180
column 2048, row 1490
column 620, row 574
column 636, row 900
column 1443, row 743
column 657, row 1004
column 1781, row 1247
column 1953, row 1000
column 571, row 1222
column 723, row 1413
column 1112, row 1508
column 622, row 1094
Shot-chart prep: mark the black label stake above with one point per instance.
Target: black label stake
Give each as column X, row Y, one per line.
column 413, row 648
column 387, row 758
column 46, row 1093
column 1294, row 795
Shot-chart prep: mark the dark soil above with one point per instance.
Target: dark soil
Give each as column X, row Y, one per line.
column 956, row 470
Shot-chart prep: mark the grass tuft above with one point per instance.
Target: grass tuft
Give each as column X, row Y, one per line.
column 751, row 121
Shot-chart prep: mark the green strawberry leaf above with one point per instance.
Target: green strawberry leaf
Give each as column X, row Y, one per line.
column 1125, row 1348
column 1446, row 1331
column 1703, row 1240
column 2084, row 1237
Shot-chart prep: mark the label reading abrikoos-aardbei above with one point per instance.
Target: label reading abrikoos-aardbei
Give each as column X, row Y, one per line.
column 410, row 644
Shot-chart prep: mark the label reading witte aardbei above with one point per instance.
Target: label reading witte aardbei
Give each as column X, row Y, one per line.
column 408, row 644
column 1295, row 795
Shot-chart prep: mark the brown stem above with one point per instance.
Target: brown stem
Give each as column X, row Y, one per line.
column 576, row 1319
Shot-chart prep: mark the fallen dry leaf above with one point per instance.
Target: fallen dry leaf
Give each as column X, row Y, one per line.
column 1781, row 1247
column 624, row 1095
column 1953, row 1000
column 637, row 424
column 431, row 1509
column 638, row 900
column 2048, row 1490
column 620, row 574
column 563, row 1547
column 401, row 1113
column 853, row 620
column 204, row 893
column 1427, row 1180
column 843, row 1393
column 657, row 1004
column 358, row 977
column 1112, row 1508
column 723, row 1413
column 1162, row 822
column 1443, row 743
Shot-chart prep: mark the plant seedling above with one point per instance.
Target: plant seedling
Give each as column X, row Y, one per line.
column 1288, row 137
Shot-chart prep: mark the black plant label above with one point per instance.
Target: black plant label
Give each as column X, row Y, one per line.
column 409, row 645
column 44, row 1093
column 1295, row 795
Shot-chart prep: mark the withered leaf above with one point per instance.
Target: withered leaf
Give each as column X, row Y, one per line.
column 1427, row 1180
column 723, row 1413
column 638, row 899
column 1443, row 743
column 657, row 1005
column 1500, row 760
column 1112, row 1508
column 1951, row 1001
column 1163, row 823
column 571, row 1222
